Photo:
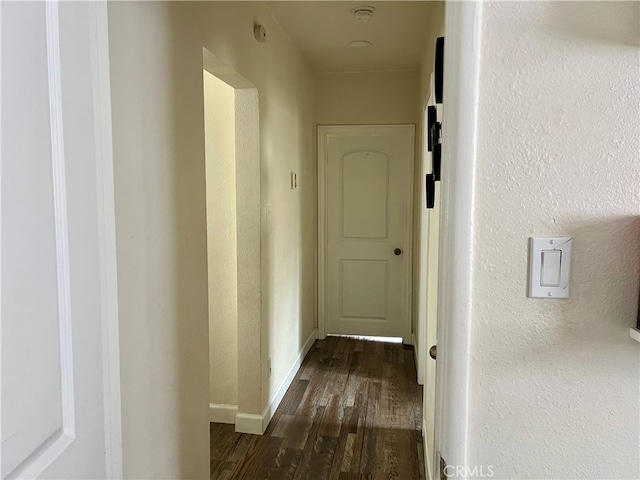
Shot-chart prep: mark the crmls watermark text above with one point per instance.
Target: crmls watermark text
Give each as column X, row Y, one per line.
column 466, row 471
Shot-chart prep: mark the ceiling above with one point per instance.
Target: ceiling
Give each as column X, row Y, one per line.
column 322, row 29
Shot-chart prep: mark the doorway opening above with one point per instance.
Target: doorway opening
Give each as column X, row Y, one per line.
column 232, row 169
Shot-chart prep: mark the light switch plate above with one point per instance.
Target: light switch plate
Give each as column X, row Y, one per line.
column 538, row 245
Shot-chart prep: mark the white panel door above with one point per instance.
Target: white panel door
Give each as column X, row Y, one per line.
column 57, row 391
column 368, row 215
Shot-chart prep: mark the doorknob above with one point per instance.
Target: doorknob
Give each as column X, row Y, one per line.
column 397, row 251
column 432, row 352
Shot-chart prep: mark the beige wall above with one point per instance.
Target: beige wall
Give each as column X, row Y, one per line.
column 555, row 390
column 220, row 166
column 435, row 30
column 157, row 97
column 366, row 98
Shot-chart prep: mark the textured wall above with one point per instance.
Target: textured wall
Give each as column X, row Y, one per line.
column 286, row 96
column 219, row 124
column 555, row 388
column 159, row 153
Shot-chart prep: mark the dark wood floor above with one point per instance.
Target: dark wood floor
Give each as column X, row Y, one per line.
column 352, row 412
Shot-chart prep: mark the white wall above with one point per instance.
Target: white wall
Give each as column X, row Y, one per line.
column 366, row 98
column 435, row 29
column 158, row 140
column 219, row 123
column 555, row 389
column 157, row 92
column 427, row 231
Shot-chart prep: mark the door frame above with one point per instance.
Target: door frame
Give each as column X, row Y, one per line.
column 322, row 132
column 106, row 215
column 463, row 33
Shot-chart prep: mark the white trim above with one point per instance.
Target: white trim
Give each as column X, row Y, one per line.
column 635, row 334
column 100, row 76
column 421, row 323
column 277, row 397
column 219, row 413
column 321, row 241
column 249, row 423
column 257, row 424
column 1, row 290
column 409, row 222
column 428, row 468
column 322, row 132
column 455, row 283
column 60, row 214
column 49, row 450
column 416, row 360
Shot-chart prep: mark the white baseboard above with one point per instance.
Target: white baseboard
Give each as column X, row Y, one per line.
column 415, row 349
column 271, row 408
column 425, row 443
column 257, row 424
column 249, row 423
column 219, row 413
column 427, row 464
column 416, row 353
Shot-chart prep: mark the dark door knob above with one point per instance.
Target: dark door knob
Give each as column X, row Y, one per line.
column 397, row 251
column 433, row 351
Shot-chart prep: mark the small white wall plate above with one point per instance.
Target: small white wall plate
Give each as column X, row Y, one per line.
column 538, row 288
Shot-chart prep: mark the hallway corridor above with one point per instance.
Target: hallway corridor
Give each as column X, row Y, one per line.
column 353, row 412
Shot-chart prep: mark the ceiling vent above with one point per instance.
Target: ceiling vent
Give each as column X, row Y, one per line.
column 363, row 14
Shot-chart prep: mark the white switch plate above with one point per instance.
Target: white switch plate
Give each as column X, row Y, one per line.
column 549, row 244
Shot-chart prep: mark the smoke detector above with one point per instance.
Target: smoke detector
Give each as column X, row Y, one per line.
column 363, row 14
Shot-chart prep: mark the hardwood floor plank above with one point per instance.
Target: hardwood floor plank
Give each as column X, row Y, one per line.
column 342, row 444
column 283, row 425
column 359, row 414
column 371, row 429
column 353, row 411
column 293, row 398
column 354, row 476
column 331, row 420
column 303, row 470
column 354, row 378
column 347, row 457
column 320, row 459
column 421, row 462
